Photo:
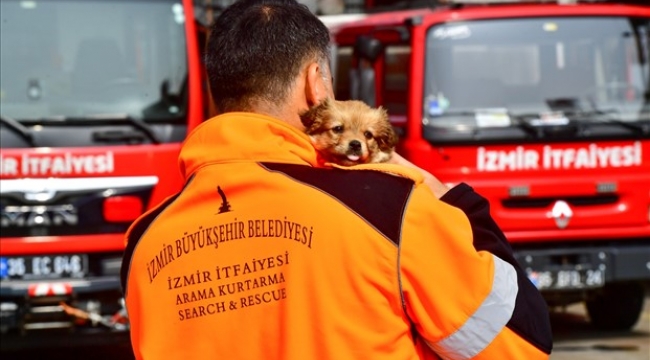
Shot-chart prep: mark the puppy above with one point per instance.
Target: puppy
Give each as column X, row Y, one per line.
column 350, row 132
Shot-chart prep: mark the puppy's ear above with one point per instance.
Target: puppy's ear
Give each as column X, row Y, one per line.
column 312, row 119
column 386, row 136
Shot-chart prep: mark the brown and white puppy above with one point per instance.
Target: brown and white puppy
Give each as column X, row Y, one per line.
column 350, row 132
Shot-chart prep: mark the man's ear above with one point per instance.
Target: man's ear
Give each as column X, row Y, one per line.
column 316, row 90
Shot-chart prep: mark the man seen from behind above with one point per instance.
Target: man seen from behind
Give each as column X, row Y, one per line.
column 267, row 253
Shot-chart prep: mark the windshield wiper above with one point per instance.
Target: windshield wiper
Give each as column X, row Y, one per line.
column 522, row 123
column 136, row 122
column 561, row 125
column 588, row 115
column 517, row 120
column 100, row 119
column 637, row 128
column 19, row 129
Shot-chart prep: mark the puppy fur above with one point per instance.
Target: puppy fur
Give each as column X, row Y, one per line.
column 350, row 132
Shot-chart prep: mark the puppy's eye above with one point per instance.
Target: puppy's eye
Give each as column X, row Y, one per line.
column 367, row 134
column 338, row 129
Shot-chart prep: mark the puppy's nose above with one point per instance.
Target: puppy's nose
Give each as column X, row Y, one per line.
column 355, row 145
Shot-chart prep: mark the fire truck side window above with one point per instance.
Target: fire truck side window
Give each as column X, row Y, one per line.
column 341, row 66
column 396, row 79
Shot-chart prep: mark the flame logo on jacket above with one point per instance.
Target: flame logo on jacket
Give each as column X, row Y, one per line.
column 225, row 205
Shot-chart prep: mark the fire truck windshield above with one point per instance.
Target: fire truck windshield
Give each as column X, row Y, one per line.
column 70, row 58
column 511, row 79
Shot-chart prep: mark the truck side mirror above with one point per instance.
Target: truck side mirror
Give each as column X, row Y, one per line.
column 368, row 48
column 362, row 78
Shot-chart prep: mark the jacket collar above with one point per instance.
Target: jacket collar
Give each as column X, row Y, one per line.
column 245, row 137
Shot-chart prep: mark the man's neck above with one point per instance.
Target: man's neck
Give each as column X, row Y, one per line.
column 284, row 113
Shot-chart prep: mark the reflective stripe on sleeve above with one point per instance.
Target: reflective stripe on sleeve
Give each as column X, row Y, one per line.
column 488, row 320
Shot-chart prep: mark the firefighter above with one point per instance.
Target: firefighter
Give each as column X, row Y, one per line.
column 267, row 253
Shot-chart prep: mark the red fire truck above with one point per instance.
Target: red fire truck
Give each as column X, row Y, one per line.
column 96, row 98
column 544, row 108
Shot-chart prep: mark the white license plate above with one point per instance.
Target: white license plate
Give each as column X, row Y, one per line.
column 567, row 279
column 43, row 267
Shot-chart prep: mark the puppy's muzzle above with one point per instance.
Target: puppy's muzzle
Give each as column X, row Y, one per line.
column 355, row 147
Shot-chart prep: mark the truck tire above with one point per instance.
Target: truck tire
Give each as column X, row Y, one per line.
column 617, row 306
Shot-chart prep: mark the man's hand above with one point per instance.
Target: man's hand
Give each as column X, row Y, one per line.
column 437, row 187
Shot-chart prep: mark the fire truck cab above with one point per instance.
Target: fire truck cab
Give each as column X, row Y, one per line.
column 544, row 108
column 95, row 99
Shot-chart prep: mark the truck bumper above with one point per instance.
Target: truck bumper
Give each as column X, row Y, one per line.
column 63, row 311
column 20, row 289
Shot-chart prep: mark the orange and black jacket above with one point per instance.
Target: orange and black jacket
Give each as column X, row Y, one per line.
column 267, row 254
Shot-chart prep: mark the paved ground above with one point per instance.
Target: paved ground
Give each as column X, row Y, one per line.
column 574, row 339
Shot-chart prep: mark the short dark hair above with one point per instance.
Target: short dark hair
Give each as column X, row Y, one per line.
column 257, row 48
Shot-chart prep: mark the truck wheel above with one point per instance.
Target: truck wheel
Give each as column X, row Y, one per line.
column 617, row 306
